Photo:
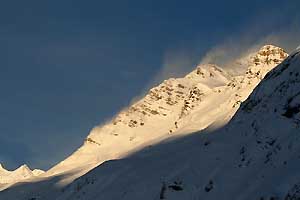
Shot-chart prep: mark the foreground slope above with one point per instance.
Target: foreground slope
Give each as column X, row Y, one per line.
column 255, row 156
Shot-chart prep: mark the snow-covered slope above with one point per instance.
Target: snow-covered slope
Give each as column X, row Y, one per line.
column 255, row 156
column 182, row 105
column 208, row 96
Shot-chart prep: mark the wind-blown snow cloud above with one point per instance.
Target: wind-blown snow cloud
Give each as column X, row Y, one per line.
column 234, row 48
column 279, row 26
column 178, row 62
column 175, row 64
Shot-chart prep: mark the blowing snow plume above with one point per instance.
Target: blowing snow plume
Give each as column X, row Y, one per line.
column 277, row 26
column 236, row 47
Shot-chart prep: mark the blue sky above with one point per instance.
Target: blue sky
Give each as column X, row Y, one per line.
column 66, row 66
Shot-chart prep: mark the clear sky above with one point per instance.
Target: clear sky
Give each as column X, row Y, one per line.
column 68, row 65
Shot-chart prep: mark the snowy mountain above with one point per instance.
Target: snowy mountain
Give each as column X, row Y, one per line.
column 173, row 112
column 255, row 156
column 20, row 174
column 177, row 106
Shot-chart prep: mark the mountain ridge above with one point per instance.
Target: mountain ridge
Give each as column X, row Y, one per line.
column 176, row 107
column 22, row 173
column 170, row 100
column 254, row 156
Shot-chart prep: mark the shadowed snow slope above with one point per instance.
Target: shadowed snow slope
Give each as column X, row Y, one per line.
column 193, row 166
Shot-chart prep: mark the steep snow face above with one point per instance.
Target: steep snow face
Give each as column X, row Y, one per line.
column 255, row 156
column 20, row 174
column 177, row 106
column 208, row 95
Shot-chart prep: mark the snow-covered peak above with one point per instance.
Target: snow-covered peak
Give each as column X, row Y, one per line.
column 261, row 60
column 23, row 170
column 176, row 106
column 280, row 84
column 269, row 54
column 255, row 156
column 209, row 95
column 21, row 173
column 264, row 60
column 270, row 47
